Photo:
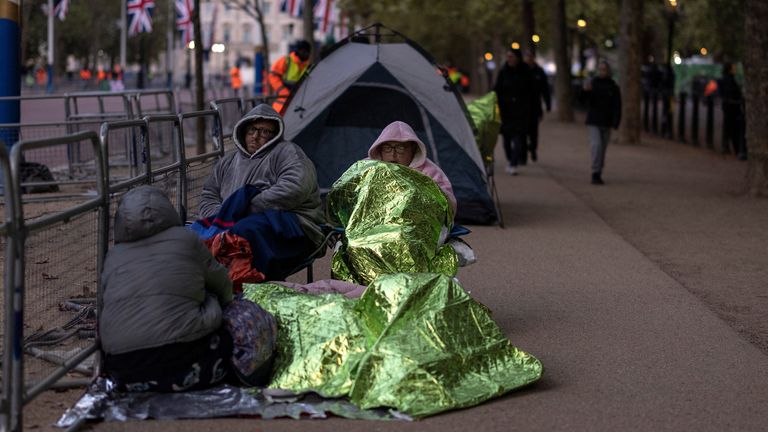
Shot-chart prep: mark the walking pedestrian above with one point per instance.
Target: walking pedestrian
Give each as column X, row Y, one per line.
column 733, row 112
column 603, row 99
column 516, row 92
column 531, row 139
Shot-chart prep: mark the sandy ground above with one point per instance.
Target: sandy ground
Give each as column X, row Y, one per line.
column 644, row 298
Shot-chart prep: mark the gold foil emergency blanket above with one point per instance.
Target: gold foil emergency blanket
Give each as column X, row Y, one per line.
column 414, row 342
column 487, row 119
column 394, row 219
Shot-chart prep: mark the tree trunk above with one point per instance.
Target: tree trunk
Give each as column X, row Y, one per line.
column 264, row 42
column 529, row 25
column 630, row 52
column 199, row 89
column 756, row 96
column 309, row 29
column 562, row 61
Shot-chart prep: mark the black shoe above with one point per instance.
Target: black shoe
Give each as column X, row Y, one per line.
column 596, row 179
column 534, row 158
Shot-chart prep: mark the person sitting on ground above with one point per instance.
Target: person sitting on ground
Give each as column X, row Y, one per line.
column 275, row 184
column 398, row 143
column 160, row 321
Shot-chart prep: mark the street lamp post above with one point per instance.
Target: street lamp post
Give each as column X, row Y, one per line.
column 581, row 25
column 188, row 76
column 668, row 87
column 671, row 28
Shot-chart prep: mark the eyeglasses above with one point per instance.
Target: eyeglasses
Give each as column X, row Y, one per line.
column 267, row 133
column 398, row 148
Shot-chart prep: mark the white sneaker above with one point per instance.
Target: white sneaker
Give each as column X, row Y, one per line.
column 510, row 170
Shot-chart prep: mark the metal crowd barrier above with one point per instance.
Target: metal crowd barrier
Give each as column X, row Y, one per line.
column 689, row 118
column 11, row 373
column 54, row 256
column 197, row 167
column 47, row 265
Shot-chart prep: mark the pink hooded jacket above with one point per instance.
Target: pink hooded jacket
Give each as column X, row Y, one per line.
column 401, row 132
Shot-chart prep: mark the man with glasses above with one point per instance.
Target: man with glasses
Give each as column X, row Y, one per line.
column 266, row 189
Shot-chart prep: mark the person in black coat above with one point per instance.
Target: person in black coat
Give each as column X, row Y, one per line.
column 516, row 93
column 531, row 140
column 733, row 112
column 603, row 98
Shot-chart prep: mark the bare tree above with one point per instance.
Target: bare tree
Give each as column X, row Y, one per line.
column 630, row 53
column 253, row 9
column 756, row 95
column 529, row 25
column 309, row 28
column 562, row 61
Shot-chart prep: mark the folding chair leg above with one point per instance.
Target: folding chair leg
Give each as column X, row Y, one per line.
column 495, row 198
column 310, row 276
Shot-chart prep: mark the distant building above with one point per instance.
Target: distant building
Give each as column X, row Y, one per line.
column 237, row 36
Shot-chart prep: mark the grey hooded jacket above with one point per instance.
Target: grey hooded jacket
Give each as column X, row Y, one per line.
column 161, row 285
column 281, row 170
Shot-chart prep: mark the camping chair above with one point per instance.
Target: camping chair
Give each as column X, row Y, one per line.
column 332, row 235
column 487, row 123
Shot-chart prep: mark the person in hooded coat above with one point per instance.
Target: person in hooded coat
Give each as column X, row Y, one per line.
column 160, row 322
column 603, row 97
column 398, row 143
column 283, row 226
column 517, row 93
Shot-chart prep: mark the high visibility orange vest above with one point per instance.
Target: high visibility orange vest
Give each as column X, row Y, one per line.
column 235, row 74
column 287, row 71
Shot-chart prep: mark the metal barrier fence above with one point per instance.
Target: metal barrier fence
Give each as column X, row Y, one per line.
column 54, row 250
column 689, row 118
column 51, row 254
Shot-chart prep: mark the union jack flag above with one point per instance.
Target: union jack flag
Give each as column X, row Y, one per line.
column 184, row 9
column 326, row 15
column 292, row 7
column 60, row 9
column 140, row 16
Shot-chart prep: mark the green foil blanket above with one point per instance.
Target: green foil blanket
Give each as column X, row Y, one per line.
column 485, row 115
column 414, row 342
column 394, row 219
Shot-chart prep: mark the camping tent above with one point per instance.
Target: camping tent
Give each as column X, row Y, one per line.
column 343, row 103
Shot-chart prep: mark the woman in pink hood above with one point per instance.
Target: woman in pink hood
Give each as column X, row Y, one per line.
column 398, row 143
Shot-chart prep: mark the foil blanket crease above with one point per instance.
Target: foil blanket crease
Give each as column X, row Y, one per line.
column 417, row 343
column 395, row 220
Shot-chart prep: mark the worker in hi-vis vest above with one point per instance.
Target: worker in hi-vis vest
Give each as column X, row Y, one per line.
column 235, row 81
column 287, row 71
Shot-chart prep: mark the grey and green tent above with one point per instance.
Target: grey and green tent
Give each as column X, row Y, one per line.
column 342, row 104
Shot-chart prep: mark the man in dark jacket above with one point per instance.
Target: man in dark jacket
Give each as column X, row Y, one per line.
column 733, row 112
column 603, row 98
column 516, row 92
column 531, row 140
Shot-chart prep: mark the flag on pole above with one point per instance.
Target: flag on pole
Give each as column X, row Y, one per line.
column 343, row 26
column 325, row 15
column 184, row 9
column 60, row 9
column 293, row 8
column 212, row 32
column 140, row 16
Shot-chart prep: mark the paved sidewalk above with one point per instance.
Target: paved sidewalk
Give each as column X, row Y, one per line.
column 599, row 284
